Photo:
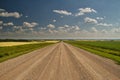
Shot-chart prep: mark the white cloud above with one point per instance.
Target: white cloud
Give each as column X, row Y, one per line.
column 82, row 11
column 26, row 16
column 64, row 12
column 76, row 27
column 8, row 24
column 99, row 18
column 50, row 31
column 87, row 10
column 51, row 26
column 43, row 28
column 18, row 29
column 1, row 27
column 61, row 16
column 11, row 14
column 79, row 14
column 90, row 20
column 94, row 29
column 1, row 22
column 115, row 30
column 31, row 29
column 68, row 28
column 104, row 24
column 95, row 21
column 54, row 20
column 32, row 24
column 2, row 10
column 104, row 31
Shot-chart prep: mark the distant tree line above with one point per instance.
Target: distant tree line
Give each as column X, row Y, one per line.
column 15, row 40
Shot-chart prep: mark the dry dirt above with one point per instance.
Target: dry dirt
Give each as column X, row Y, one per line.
column 60, row 61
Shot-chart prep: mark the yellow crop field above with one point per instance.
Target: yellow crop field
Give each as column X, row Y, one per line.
column 2, row 44
column 51, row 41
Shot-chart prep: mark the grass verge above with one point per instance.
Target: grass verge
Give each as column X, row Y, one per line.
column 9, row 52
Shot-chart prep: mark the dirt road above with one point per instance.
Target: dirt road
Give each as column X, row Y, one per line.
column 60, row 61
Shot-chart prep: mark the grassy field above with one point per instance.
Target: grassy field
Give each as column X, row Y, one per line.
column 15, row 49
column 108, row 49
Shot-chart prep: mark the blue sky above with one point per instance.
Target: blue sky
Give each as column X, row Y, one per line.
column 56, row 19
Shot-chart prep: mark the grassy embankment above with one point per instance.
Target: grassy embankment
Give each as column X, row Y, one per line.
column 14, row 49
column 108, row 49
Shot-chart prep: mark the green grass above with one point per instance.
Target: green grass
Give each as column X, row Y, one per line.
column 108, row 49
column 14, row 51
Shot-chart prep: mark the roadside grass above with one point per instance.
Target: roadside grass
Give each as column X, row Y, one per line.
column 108, row 49
column 9, row 52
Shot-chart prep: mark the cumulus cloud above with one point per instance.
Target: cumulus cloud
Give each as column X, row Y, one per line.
column 18, row 28
column 87, row 10
column 95, row 21
column 1, row 27
column 79, row 14
column 54, row 20
column 64, row 12
column 99, row 18
column 90, row 20
column 26, row 16
column 1, row 22
column 32, row 24
column 68, row 28
column 43, row 28
column 11, row 14
column 8, row 24
column 104, row 31
column 115, row 30
column 26, row 27
column 82, row 11
column 61, row 16
column 50, row 31
column 2, row 10
column 104, row 24
column 76, row 28
column 4, row 13
column 51, row 26
column 94, row 29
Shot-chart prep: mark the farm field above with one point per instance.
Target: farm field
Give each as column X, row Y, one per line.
column 108, row 49
column 3, row 44
column 12, row 49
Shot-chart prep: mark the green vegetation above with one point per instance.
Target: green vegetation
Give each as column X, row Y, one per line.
column 14, row 51
column 108, row 49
